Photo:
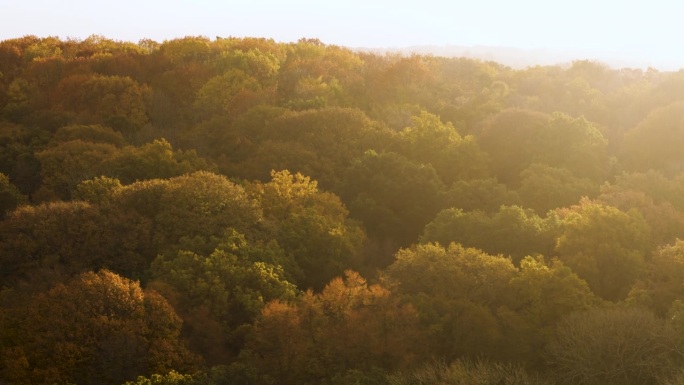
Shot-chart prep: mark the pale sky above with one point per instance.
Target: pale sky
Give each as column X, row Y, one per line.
column 647, row 31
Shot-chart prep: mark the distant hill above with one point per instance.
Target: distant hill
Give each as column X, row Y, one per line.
column 522, row 58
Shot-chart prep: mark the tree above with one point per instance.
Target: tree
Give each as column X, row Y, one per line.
column 349, row 326
column 541, row 294
column 10, row 196
column 99, row 190
column 229, row 94
column 666, row 221
column 509, row 138
column 21, row 95
column 66, row 164
column 464, row 371
column 319, row 143
column 653, row 183
column 186, row 49
column 652, row 144
column 119, row 102
column 261, row 62
column 544, row 188
column 218, row 295
column 315, row 74
column 44, row 244
column 393, row 196
column 612, row 346
column 512, row 231
column 18, row 148
column 97, row 328
column 661, row 286
column 310, row 225
column 516, row 139
column 200, row 204
column 171, row 378
column 604, row 246
column 487, row 195
column 454, row 157
column 457, row 292
column 575, row 144
column 156, row 159
column 89, row 133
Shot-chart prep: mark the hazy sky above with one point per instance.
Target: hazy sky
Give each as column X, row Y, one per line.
column 648, row 31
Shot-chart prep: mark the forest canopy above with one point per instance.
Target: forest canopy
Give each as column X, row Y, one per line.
column 243, row 211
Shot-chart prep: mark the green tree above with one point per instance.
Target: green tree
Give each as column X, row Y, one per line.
column 10, row 196
column 316, row 75
column 480, row 194
column 218, row 295
column 261, row 63
column 512, row 231
column 319, row 143
column 541, row 294
column 21, row 99
column 156, row 159
column 171, row 378
column 393, row 196
column 604, row 246
column 99, row 190
column 198, row 204
column 666, row 221
column 509, row 139
column 310, row 225
column 64, row 165
column 653, row 184
column 186, row 49
column 18, row 148
column 454, row 157
column 543, row 188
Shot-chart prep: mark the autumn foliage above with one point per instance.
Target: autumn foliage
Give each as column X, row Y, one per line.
column 242, row 211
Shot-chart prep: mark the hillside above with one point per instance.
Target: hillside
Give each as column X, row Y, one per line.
column 236, row 210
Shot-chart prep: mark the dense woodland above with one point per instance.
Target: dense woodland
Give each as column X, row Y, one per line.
column 240, row 211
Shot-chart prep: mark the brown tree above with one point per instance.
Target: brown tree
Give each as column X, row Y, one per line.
column 97, row 328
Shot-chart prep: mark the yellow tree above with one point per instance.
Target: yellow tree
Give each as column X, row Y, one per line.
column 349, row 326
